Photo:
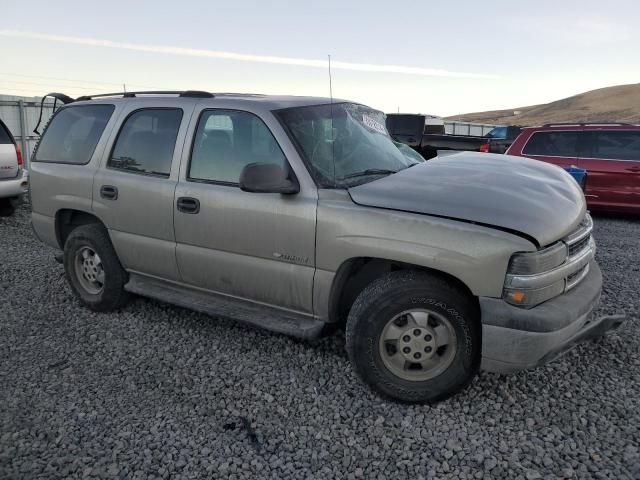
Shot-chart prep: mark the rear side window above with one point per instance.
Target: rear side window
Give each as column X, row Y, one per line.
column 555, row 144
column 616, row 145
column 5, row 138
column 226, row 141
column 146, row 141
column 73, row 133
column 406, row 124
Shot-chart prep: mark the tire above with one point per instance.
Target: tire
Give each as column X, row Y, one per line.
column 102, row 293
column 7, row 207
column 406, row 301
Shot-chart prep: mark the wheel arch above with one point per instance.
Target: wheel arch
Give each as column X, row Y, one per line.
column 68, row 219
column 354, row 274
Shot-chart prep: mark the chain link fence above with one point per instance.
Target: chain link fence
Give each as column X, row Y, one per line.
column 21, row 115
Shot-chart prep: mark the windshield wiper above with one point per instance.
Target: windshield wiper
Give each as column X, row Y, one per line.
column 370, row 171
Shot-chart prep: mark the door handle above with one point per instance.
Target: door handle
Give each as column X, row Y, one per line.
column 188, row 205
column 109, row 192
column 633, row 169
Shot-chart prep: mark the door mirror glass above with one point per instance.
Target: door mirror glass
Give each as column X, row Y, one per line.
column 267, row 178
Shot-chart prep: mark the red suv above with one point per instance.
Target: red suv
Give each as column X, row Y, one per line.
column 609, row 152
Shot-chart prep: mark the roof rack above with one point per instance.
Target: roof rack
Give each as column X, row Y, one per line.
column 180, row 93
column 582, row 124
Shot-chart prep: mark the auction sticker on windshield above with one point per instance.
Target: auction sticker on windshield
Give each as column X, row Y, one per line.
column 373, row 124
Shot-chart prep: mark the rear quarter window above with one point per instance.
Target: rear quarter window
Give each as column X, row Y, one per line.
column 553, row 144
column 73, row 133
column 5, row 137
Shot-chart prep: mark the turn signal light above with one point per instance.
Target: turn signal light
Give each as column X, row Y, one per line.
column 517, row 296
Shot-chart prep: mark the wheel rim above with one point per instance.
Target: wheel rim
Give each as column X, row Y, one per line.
column 418, row 344
column 89, row 270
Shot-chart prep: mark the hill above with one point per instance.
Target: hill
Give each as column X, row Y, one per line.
column 620, row 103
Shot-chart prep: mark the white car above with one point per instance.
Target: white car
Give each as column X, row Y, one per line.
column 13, row 177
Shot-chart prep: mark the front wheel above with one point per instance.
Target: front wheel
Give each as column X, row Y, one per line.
column 414, row 337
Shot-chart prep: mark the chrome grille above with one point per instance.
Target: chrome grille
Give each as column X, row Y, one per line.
column 580, row 240
column 576, row 248
column 580, row 243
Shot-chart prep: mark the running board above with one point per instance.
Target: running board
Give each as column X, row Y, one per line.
column 261, row 316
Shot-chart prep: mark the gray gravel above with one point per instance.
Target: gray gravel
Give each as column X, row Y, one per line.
column 159, row 391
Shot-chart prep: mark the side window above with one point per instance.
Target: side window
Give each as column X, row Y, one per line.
column 557, row 144
column 226, row 141
column 616, row 145
column 73, row 133
column 5, row 137
column 146, row 141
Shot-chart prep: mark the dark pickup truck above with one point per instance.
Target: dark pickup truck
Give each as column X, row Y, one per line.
column 416, row 131
column 500, row 139
column 427, row 139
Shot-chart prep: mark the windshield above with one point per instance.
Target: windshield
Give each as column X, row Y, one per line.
column 344, row 144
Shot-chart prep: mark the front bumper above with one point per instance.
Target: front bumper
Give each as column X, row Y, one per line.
column 14, row 187
column 516, row 339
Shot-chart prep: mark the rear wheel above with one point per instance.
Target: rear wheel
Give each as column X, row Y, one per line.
column 414, row 337
column 93, row 269
column 7, row 207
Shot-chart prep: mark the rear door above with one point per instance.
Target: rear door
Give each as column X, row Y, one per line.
column 8, row 156
column 559, row 147
column 613, row 169
column 134, row 189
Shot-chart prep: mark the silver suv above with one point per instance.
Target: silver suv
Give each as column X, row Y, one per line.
column 298, row 214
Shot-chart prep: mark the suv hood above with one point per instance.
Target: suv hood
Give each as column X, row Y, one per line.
column 535, row 198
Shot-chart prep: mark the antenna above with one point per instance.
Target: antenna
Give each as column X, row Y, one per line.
column 124, row 87
column 330, row 85
column 333, row 151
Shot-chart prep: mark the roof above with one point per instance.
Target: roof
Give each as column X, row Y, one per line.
column 270, row 102
column 584, row 126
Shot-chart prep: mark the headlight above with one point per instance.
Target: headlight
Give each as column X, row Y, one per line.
column 531, row 263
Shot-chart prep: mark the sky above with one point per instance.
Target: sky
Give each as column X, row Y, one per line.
column 440, row 58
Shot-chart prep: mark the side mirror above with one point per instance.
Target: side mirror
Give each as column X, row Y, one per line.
column 267, row 178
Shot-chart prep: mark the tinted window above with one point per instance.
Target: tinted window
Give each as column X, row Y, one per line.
column 73, row 133
column 146, row 141
column 4, row 134
column 620, row 145
column 558, row 144
column 405, row 124
column 227, row 141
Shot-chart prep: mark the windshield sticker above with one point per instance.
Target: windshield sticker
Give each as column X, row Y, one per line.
column 373, row 124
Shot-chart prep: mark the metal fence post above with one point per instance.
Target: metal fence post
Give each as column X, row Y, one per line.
column 26, row 156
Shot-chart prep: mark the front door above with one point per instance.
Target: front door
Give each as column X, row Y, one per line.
column 613, row 169
column 255, row 246
column 133, row 192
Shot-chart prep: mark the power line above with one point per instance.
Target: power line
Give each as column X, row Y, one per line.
column 52, row 85
column 71, row 80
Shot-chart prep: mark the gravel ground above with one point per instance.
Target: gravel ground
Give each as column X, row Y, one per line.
column 159, row 391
